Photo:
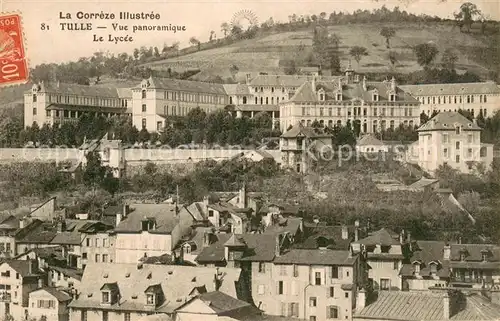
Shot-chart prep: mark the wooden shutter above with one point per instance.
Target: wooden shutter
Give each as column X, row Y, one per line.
column 296, row 309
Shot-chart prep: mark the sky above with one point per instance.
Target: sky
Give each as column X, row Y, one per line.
column 198, row 16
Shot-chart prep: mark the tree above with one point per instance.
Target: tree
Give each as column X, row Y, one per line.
column 392, row 55
column 423, row 118
column 94, row 172
column 480, row 119
column 465, row 17
column 110, row 183
column 225, row 28
column 449, row 59
column 195, row 42
column 387, row 33
column 426, row 53
column 357, row 52
column 212, row 33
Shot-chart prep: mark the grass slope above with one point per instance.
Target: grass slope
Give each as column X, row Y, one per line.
column 265, row 53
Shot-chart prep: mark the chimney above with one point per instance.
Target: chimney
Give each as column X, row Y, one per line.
column 126, row 210
column 361, row 300
column 206, row 202
column 277, row 248
column 206, row 238
column 118, row 218
column 32, row 266
column 217, row 281
column 58, row 84
column 40, row 283
column 21, row 223
column 243, row 196
column 409, row 241
column 393, row 84
column 364, row 83
column 446, row 252
column 313, row 84
column 345, row 232
column 446, row 306
column 61, row 226
column 356, row 231
column 248, row 79
column 402, row 236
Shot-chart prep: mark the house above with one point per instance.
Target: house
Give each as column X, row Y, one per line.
column 18, row 278
column 427, row 267
column 210, row 306
column 49, row 302
column 371, row 106
column 149, row 230
column 308, row 284
column 111, row 152
column 129, row 291
column 321, row 236
column 370, row 144
column 440, row 305
column 383, row 251
column 476, row 98
column 257, row 155
column 9, row 224
column 35, row 234
column 97, row 241
column 46, row 211
column 450, row 139
column 299, row 144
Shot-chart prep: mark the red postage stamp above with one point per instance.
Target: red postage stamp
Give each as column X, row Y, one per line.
column 13, row 61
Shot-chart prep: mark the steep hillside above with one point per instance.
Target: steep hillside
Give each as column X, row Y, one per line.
column 265, row 53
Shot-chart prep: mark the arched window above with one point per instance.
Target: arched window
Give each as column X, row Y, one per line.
column 244, row 100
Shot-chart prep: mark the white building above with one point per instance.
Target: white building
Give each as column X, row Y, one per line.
column 472, row 97
column 450, row 138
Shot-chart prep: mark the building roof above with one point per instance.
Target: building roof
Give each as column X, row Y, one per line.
column 350, row 92
column 260, row 247
column 422, row 183
column 448, row 120
column 316, row 257
column 222, row 303
column 278, row 80
column 291, row 225
column 77, row 90
column 369, row 140
column 299, row 130
column 384, row 237
column 474, row 253
column 236, row 89
column 176, row 282
column 325, row 236
column 423, row 306
column 452, row 89
column 163, row 214
column 36, row 232
column 61, row 296
column 186, row 85
column 23, row 267
column 73, row 273
column 257, row 108
column 426, row 252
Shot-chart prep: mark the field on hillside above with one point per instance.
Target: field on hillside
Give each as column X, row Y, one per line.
column 264, row 54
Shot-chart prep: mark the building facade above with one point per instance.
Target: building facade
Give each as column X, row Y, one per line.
column 476, row 98
column 59, row 102
column 373, row 106
column 49, row 303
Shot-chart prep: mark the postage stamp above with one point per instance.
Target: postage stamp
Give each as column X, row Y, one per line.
column 13, row 62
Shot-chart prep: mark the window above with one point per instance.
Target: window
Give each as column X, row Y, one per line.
column 462, row 256
column 469, row 152
column 158, row 125
column 346, row 294
column 17, row 276
column 143, row 94
column 333, row 312
column 416, row 268
column 97, row 258
column 46, row 304
column 280, row 287
column 244, row 100
column 469, row 138
column 261, row 289
column 262, row 267
column 34, row 111
column 126, row 317
column 105, row 316
column 210, row 213
column 482, row 152
column 385, row 284
column 433, row 268
column 34, row 98
column 457, row 145
column 48, row 113
column 283, row 270
column 143, row 108
column 335, row 272
column 150, row 299
column 457, row 130
column 395, row 265
column 312, row 301
column 83, row 315
column 97, row 242
column 312, row 318
column 6, row 274
column 303, row 111
column 331, row 292
column 484, row 257
column 84, row 255
column 374, row 111
column 106, row 297
column 317, row 278
column 144, row 123
column 294, row 309
column 457, row 159
column 88, row 242
column 295, row 270
column 104, row 258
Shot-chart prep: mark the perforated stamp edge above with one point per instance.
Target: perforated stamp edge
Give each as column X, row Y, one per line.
column 25, row 47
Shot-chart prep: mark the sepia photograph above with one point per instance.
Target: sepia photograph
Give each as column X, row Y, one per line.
column 263, row 160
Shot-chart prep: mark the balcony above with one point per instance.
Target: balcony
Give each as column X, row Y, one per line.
column 5, row 297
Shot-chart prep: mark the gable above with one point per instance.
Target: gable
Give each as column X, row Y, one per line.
column 196, row 306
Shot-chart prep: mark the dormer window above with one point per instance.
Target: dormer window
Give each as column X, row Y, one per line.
column 150, row 299
column 416, row 267
column 106, row 297
column 392, row 97
column 321, row 97
column 148, row 224
column 457, row 130
column 375, row 97
column 433, row 266
column 484, row 255
column 109, row 293
column 339, row 97
column 385, row 249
